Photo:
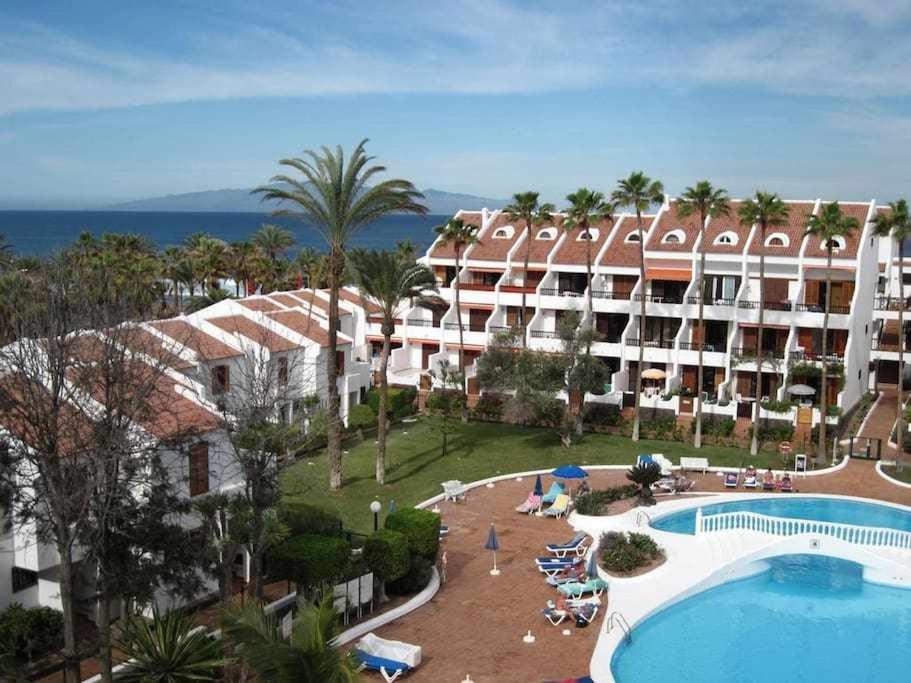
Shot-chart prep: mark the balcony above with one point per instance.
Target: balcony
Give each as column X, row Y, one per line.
column 748, row 354
column 880, row 345
column 660, row 298
column 831, row 357
column 555, row 291
column 611, row 296
column 543, row 334
column 476, row 287
column 711, row 302
column 819, row 308
column 769, row 305
column 421, row 323
column 652, row 343
column 720, row 347
column 891, row 303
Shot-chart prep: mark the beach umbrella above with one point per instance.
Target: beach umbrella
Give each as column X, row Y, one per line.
column 654, row 373
column 539, row 487
column 392, row 507
column 494, row 545
column 569, row 472
column 801, row 390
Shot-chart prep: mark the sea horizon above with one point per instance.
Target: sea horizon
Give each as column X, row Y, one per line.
column 37, row 232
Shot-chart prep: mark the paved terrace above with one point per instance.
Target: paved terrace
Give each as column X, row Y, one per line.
column 476, row 622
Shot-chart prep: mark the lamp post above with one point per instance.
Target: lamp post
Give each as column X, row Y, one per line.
column 375, row 508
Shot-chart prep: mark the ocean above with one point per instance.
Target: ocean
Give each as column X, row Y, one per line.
column 39, row 233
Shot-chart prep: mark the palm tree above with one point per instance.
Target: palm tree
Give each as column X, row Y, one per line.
column 310, row 266
column 241, row 258
column 896, row 224
column 639, row 192
column 708, row 202
column 460, row 235
column 171, row 259
column 586, row 207
column 168, row 648
column 387, row 279
column 525, row 208
column 334, row 199
column 308, row 655
column 766, row 210
column 7, row 256
column 209, row 258
column 273, row 240
column 829, row 225
column 406, row 249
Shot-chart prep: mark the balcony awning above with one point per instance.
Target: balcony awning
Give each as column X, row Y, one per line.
column 379, row 338
column 482, row 307
column 473, row 269
column 765, row 326
column 466, row 347
column 682, row 273
column 837, row 274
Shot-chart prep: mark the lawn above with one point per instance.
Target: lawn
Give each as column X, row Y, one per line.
column 476, row 451
column 903, row 476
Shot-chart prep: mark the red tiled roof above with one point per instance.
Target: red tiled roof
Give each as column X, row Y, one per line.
column 794, row 229
column 852, row 242
column 285, row 300
column 490, row 248
column 238, row 324
column 203, row 345
column 140, row 340
column 729, row 223
column 355, row 298
column 668, row 220
column 259, row 303
column 313, row 298
column 447, row 250
column 623, row 253
column 303, row 325
column 572, row 251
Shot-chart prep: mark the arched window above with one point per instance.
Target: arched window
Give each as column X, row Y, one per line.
column 504, row 233
column 546, row 234
column 838, row 243
column 590, row 234
column 777, row 239
column 728, row 238
column 675, row 236
column 632, row 237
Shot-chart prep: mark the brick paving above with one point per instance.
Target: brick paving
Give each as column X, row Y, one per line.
column 881, row 417
column 475, row 623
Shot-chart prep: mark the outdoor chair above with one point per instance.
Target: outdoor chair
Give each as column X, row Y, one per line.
column 559, row 508
column 577, row 590
column 576, row 545
column 531, row 504
column 556, row 489
column 730, row 480
column 453, row 490
column 392, row 658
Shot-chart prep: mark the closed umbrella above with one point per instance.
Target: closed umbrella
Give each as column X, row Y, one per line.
column 591, row 568
column 539, row 488
column 494, row 545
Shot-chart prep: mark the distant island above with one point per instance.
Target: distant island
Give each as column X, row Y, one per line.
column 241, row 201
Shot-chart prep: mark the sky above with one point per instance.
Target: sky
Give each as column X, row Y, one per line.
column 103, row 102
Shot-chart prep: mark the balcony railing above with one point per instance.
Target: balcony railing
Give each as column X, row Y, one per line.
column 711, row 348
column 477, row 286
column 615, row 296
column 711, row 302
column 543, row 334
column 880, row 345
column 745, row 353
column 496, row 329
column 455, row 326
column 830, row 357
column 652, row 343
column 819, row 308
column 422, row 323
column 660, row 299
column 769, row 305
column 552, row 291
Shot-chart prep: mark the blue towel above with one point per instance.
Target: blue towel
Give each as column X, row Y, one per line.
column 376, row 663
column 645, row 460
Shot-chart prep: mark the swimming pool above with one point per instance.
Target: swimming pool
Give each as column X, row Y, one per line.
column 821, row 509
column 808, row 618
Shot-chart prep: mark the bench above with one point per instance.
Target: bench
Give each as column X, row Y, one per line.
column 694, row 464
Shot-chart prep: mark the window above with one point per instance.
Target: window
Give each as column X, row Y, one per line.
column 838, row 243
column 632, row 237
column 221, row 379
column 590, row 234
column 777, row 239
column 504, row 233
column 199, row 468
column 546, row 234
column 23, row 578
column 340, row 362
column 283, row 370
column 674, row 237
column 726, row 238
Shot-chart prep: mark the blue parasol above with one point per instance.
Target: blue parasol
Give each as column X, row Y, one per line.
column 494, row 545
column 539, row 488
column 569, row 472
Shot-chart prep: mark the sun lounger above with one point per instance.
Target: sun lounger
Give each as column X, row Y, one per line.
column 551, row 561
column 554, row 616
column 786, row 486
column 557, row 580
column 556, row 489
column 750, row 482
column 531, row 504
column 453, row 490
column 577, row 590
column 730, row 480
column 559, row 508
column 576, row 545
column 392, row 658
column 586, row 613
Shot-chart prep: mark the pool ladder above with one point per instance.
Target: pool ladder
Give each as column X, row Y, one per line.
column 617, row 618
column 642, row 514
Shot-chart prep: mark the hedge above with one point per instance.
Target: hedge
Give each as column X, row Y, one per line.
column 420, row 527
column 416, row 579
column 310, row 560
column 596, row 502
column 387, row 554
column 301, row 518
column 400, row 404
column 30, row 633
column 361, row 416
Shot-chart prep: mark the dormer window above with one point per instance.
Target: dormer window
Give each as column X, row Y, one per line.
column 504, row 233
column 838, row 243
column 777, row 239
column 546, row 234
column 632, row 237
column 726, row 238
column 675, row 236
column 589, row 234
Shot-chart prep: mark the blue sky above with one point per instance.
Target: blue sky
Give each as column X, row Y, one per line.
column 107, row 102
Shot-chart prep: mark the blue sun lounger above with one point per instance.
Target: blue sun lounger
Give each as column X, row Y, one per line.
column 555, row 490
column 575, row 545
column 388, row 668
column 391, row 658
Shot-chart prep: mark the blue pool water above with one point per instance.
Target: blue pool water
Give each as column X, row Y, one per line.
column 821, row 509
column 807, row 619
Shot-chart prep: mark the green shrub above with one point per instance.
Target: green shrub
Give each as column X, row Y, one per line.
column 361, row 416
column 310, row 560
column 420, row 527
column 301, row 519
column 622, row 553
column 30, row 633
column 489, row 407
column 596, row 502
column 400, row 401
column 715, row 426
column 549, row 412
column 601, row 414
column 778, row 406
column 415, row 580
column 387, row 554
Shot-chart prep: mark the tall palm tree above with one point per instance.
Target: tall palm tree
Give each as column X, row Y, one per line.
column 210, row 257
column 639, row 192
column 241, row 259
column 169, row 648
column 708, row 202
column 334, row 199
column 829, row 225
column 387, row 279
column 308, row 655
column 171, row 258
column 273, row 240
column 896, row 225
column 587, row 207
column 525, row 208
column 767, row 210
column 460, row 235
column 310, row 266
column 406, row 249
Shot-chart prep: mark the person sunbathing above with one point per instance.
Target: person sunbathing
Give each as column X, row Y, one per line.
column 768, row 479
column 574, row 573
column 751, row 471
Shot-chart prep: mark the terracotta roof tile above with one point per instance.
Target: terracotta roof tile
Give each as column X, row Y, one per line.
column 203, row 345
column 490, row 248
column 572, row 251
column 140, row 340
column 238, row 324
column 729, row 223
column 303, row 325
column 447, row 250
column 259, row 303
column 794, row 229
column 356, row 299
column 670, row 220
column 852, row 242
column 284, row 299
column 623, row 253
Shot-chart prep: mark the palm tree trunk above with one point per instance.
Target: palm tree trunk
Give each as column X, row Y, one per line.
column 697, row 439
column 334, row 431
column 754, row 443
column 635, row 436
column 71, row 664
column 461, row 342
column 900, row 409
column 104, row 636
column 381, row 417
column 823, row 380
column 525, row 281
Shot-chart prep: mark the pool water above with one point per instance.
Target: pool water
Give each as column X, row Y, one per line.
column 821, row 509
column 808, row 618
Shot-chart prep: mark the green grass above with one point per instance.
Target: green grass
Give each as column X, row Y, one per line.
column 476, row 451
column 903, row 476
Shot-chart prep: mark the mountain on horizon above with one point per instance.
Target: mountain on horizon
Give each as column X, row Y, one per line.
column 238, row 200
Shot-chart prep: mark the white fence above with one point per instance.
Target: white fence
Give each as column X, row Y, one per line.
column 783, row 526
